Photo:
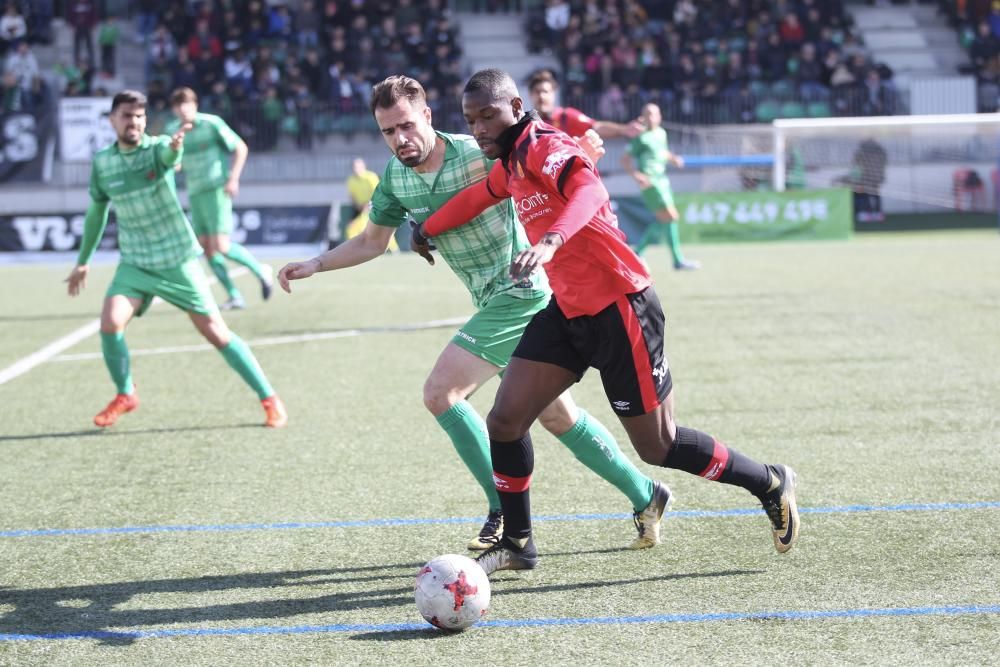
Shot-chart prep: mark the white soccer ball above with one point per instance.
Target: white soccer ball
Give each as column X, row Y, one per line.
column 452, row 592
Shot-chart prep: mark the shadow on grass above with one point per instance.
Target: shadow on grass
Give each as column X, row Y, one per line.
column 431, row 633
column 108, row 433
column 93, row 611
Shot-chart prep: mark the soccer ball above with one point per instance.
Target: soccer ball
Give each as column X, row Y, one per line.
column 452, row 592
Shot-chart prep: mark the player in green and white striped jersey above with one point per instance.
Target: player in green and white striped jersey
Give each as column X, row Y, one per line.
column 428, row 169
column 211, row 185
column 159, row 255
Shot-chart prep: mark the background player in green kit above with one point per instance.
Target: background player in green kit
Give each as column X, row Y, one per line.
column 427, row 169
column 211, row 184
column 651, row 153
column 159, row 255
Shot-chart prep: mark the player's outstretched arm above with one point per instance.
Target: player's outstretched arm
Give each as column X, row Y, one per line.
column 371, row 243
column 468, row 203
column 611, row 130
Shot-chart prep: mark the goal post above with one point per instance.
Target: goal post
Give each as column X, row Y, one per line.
column 910, row 163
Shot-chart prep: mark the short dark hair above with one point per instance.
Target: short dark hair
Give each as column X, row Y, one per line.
column 394, row 88
column 182, row 95
column 128, row 97
column 495, row 83
column 542, row 76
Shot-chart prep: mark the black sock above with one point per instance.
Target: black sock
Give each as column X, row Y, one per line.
column 700, row 454
column 513, row 463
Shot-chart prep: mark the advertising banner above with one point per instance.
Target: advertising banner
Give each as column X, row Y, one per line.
column 83, row 127
column 24, row 146
column 749, row 216
column 253, row 226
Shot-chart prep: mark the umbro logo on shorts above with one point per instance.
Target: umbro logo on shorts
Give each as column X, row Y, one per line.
column 621, row 405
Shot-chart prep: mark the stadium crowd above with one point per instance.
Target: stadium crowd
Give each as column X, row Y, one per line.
column 721, row 60
column 23, row 23
column 303, row 66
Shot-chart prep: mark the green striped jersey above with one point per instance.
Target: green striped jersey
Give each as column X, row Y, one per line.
column 479, row 252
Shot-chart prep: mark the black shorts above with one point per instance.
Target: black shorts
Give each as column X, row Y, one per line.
column 624, row 342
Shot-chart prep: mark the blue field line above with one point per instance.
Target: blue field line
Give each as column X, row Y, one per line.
column 374, row 523
column 806, row 615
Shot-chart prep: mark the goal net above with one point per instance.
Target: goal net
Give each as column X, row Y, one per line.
column 909, row 163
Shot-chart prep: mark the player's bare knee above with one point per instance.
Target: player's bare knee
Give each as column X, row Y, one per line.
column 504, row 425
column 438, row 399
column 556, row 422
column 222, row 244
column 653, row 453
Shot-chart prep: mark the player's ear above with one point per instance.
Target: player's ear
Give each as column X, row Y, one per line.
column 517, row 104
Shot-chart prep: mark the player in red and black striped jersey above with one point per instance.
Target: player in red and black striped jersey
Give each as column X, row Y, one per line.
column 543, row 87
column 604, row 314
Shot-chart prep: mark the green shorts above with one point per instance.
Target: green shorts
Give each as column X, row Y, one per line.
column 494, row 332
column 212, row 213
column 658, row 195
column 184, row 286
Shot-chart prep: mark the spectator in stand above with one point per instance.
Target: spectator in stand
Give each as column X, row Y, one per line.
column 184, row 72
column 307, row 22
column 557, row 13
column 984, row 47
column 107, row 38
column 145, row 19
column 82, row 16
column 10, row 93
column 203, row 40
column 238, row 70
column 13, row 28
column 810, row 75
column 22, row 67
column 280, row 26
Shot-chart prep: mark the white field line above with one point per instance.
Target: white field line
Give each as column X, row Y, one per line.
column 279, row 340
column 50, row 351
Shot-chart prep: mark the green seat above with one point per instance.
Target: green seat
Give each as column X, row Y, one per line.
column 782, row 89
column 758, row 88
column 792, row 109
column 819, row 110
column 766, row 111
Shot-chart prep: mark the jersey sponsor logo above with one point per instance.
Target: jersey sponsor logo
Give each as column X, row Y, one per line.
column 465, row 336
column 555, row 162
column 533, row 206
column 423, row 209
column 621, row 406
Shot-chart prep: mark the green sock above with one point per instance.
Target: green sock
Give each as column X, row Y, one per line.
column 217, row 263
column 595, row 447
column 674, row 241
column 467, row 431
column 241, row 255
column 238, row 355
column 117, row 360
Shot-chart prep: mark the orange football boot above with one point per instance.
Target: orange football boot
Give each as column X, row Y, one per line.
column 118, row 406
column 277, row 416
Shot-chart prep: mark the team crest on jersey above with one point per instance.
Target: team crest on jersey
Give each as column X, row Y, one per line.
column 555, row 162
column 150, row 175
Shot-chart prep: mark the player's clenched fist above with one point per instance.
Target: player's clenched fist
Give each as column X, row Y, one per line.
column 297, row 271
